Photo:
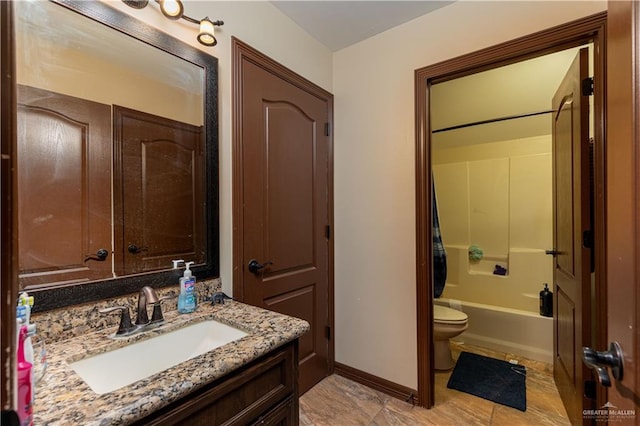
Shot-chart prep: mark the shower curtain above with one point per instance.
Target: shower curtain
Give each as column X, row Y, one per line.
column 439, row 255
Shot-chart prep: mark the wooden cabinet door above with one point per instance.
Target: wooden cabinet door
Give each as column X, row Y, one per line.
column 159, row 192
column 64, row 188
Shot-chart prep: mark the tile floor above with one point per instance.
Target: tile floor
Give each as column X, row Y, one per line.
column 337, row 401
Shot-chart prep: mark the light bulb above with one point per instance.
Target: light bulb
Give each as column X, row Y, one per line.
column 172, row 9
column 206, row 35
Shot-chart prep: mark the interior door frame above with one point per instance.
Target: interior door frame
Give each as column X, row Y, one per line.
column 8, row 240
column 241, row 51
column 623, row 185
column 572, row 34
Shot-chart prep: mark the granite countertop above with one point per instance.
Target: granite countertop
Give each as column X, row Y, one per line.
column 63, row 398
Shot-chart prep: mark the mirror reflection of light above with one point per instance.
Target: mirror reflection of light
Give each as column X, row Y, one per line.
column 172, row 9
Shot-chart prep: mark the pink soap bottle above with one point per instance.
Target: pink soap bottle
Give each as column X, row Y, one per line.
column 25, row 410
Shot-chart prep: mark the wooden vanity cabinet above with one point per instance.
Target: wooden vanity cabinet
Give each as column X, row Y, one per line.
column 264, row 392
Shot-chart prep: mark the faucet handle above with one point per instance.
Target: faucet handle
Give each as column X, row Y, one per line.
column 142, row 318
column 157, row 316
column 157, row 313
column 125, row 327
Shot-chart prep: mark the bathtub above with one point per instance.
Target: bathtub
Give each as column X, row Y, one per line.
column 506, row 330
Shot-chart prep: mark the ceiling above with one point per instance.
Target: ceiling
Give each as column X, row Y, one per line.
column 338, row 24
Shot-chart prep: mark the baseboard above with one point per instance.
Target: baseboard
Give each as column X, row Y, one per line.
column 377, row 383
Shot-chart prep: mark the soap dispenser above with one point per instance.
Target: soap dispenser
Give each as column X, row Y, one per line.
column 187, row 300
column 546, row 302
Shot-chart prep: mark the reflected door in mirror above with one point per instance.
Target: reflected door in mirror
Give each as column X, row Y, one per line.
column 159, row 184
column 97, row 55
column 64, row 188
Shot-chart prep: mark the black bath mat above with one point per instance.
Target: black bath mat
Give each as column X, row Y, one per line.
column 493, row 379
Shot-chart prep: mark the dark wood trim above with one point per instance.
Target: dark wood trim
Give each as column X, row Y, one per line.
column 551, row 40
column 330, row 263
column 424, row 247
column 623, row 198
column 572, row 34
column 241, row 51
column 8, row 240
column 237, row 52
column 599, row 314
column 377, row 383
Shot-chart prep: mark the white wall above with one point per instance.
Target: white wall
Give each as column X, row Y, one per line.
column 265, row 28
column 374, row 169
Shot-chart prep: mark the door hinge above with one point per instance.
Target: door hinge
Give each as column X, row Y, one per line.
column 327, row 232
column 590, row 389
column 327, row 129
column 587, row 86
column 327, row 330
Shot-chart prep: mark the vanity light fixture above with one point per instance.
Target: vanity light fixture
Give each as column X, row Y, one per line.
column 174, row 9
column 206, row 36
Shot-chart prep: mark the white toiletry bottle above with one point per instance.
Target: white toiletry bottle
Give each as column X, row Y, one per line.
column 187, row 300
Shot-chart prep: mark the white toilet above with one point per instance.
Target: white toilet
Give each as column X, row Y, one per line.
column 447, row 323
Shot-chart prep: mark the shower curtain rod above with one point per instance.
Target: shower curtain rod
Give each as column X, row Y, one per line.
column 493, row 120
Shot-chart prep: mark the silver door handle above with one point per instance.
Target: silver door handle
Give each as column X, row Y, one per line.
column 599, row 361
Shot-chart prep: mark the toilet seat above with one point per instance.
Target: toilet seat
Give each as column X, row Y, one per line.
column 444, row 315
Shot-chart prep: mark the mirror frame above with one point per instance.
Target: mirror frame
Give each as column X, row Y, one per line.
column 77, row 293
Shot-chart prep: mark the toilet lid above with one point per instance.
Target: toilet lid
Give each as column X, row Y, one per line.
column 442, row 314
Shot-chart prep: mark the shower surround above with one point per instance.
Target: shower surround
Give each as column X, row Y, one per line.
column 498, row 196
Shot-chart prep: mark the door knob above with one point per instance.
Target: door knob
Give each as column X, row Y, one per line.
column 599, row 361
column 255, row 266
column 553, row 252
column 134, row 249
column 100, row 255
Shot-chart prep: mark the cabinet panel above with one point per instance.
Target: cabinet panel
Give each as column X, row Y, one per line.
column 285, row 414
column 242, row 398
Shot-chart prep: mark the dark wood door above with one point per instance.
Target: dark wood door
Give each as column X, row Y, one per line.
column 623, row 206
column 572, row 265
column 64, row 187
column 285, row 207
column 159, row 192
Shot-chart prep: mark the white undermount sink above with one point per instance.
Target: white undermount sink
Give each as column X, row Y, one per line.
column 112, row 370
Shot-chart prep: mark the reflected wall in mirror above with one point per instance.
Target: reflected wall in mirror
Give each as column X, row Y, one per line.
column 117, row 153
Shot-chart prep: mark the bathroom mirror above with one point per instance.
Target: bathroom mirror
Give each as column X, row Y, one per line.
column 117, row 170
